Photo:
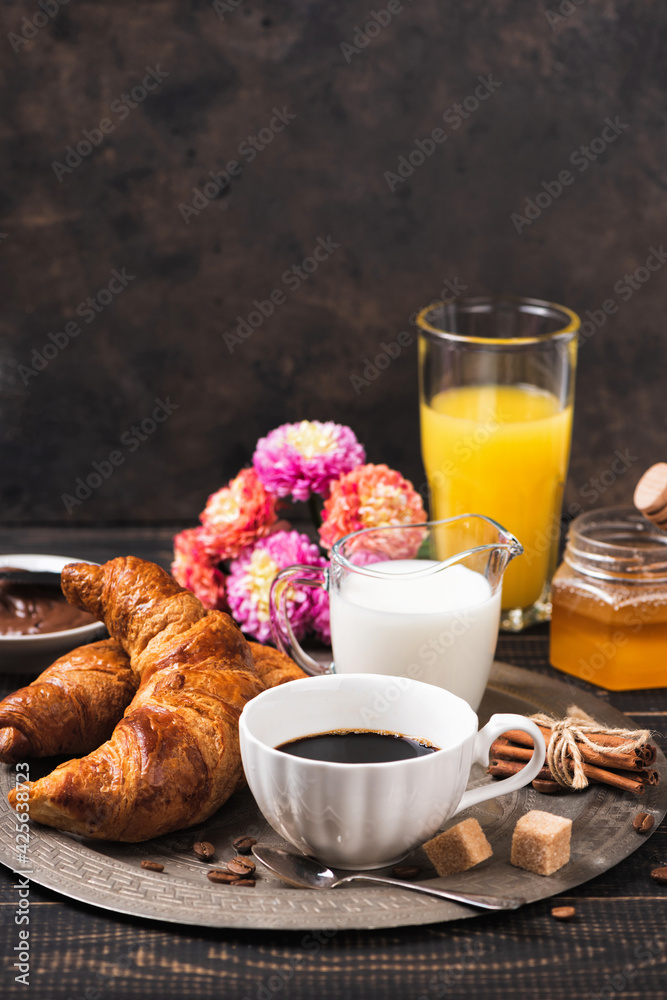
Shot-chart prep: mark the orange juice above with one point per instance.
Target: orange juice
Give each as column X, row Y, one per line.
column 502, row 450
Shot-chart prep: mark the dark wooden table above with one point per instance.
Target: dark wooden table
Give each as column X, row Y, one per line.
column 616, row 947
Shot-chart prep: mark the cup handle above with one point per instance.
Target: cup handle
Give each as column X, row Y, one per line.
column 495, row 727
column 286, row 641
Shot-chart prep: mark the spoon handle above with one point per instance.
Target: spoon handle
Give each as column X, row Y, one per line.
column 471, row 898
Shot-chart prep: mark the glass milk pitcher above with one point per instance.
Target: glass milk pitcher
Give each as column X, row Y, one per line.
column 420, row 601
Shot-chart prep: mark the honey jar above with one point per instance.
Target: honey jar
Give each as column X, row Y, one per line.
column 609, row 596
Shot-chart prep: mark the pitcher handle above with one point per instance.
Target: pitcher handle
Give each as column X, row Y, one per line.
column 495, row 727
column 283, row 633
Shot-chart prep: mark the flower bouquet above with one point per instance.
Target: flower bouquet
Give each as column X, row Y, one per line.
column 231, row 559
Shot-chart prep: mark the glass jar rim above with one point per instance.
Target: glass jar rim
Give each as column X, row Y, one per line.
column 617, row 543
column 486, row 303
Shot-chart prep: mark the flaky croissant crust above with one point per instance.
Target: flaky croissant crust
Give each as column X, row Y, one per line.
column 174, row 758
column 71, row 707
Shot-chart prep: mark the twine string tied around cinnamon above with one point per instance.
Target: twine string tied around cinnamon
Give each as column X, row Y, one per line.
column 563, row 752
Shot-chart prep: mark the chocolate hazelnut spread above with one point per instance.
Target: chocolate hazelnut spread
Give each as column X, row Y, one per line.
column 33, row 609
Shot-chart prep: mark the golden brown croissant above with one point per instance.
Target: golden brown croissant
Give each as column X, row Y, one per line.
column 75, row 703
column 274, row 667
column 174, row 758
column 71, row 707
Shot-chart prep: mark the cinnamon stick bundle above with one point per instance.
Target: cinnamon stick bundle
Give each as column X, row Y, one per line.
column 502, row 768
column 628, row 760
column 620, row 758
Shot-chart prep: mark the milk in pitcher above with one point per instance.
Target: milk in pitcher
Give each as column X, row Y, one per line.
column 439, row 627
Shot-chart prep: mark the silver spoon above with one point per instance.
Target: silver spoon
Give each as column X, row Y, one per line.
column 306, row 873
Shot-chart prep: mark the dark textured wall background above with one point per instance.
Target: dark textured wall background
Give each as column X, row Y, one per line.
column 322, row 176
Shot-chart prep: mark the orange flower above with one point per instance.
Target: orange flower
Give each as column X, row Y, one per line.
column 372, row 496
column 196, row 570
column 237, row 515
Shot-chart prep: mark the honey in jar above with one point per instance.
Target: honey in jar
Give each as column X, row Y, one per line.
column 609, row 596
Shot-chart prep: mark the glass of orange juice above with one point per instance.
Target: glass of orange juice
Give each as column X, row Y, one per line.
column 496, row 395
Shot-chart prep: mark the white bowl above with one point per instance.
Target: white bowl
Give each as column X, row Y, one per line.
column 30, row 654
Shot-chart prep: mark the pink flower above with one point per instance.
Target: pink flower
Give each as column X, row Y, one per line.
column 250, row 579
column 374, row 496
column 304, row 458
column 237, row 515
column 196, row 570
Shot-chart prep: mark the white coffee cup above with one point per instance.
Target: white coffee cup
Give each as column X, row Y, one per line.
column 365, row 816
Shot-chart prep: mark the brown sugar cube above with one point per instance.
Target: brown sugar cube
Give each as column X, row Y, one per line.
column 458, row 848
column 541, row 842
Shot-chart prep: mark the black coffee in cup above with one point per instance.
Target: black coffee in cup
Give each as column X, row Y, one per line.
column 358, row 747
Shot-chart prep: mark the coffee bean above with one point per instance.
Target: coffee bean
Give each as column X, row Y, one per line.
column 241, row 866
column 243, row 844
column 659, row 875
column 563, row 912
column 152, row 866
column 244, row 881
column 406, row 871
column 643, row 822
column 204, row 850
column 219, row 876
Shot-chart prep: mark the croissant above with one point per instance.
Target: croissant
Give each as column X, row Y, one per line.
column 75, row 703
column 71, row 707
column 274, row 667
column 174, row 758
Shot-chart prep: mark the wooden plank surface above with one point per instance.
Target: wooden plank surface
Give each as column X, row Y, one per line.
column 616, row 947
column 526, row 955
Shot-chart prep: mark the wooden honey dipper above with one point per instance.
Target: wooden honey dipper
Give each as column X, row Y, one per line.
column 651, row 494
